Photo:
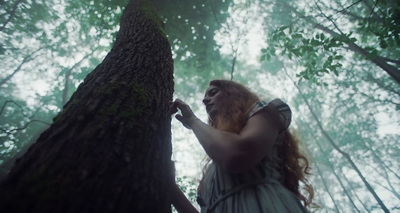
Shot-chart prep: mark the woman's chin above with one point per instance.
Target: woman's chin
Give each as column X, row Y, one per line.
column 212, row 114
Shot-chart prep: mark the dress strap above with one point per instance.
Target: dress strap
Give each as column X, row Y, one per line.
column 285, row 114
column 258, row 106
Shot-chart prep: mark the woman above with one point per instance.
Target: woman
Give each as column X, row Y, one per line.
column 256, row 164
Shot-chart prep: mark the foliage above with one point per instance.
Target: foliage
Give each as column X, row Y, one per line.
column 319, row 54
column 188, row 186
column 341, row 27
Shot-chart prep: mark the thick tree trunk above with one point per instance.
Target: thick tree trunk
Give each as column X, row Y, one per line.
column 109, row 149
column 68, row 74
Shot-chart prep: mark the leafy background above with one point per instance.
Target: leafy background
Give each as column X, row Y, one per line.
column 335, row 62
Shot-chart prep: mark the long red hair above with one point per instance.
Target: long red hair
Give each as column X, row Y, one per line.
column 238, row 101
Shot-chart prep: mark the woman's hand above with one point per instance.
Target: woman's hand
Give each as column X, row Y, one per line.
column 187, row 116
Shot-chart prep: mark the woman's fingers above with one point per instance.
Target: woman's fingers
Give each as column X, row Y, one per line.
column 185, row 109
column 179, row 103
column 182, row 120
column 186, row 112
column 172, row 107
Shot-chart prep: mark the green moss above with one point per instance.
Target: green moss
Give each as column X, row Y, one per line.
column 110, row 88
column 131, row 108
column 138, row 107
column 149, row 11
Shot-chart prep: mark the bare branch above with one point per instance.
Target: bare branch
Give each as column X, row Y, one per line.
column 24, row 61
column 10, row 131
column 7, row 102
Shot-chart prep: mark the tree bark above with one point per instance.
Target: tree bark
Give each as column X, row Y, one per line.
column 68, row 75
column 109, row 149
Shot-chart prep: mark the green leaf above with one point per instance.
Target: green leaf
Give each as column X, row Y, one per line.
column 315, row 42
column 335, row 72
column 338, row 57
column 262, row 58
column 383, row 44
column 297, row 35
column 282, row 28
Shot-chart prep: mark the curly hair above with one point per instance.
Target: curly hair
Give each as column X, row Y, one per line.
column 239, row 99
column 295, row 169
column 233, row 118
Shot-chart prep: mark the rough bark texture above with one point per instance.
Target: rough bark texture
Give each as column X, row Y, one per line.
column 109, row 149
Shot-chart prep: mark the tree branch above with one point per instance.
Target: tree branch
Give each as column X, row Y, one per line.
column 337, row 148
column 24, row 61
column 9, row 131
column 7, row 102
column 377, row 60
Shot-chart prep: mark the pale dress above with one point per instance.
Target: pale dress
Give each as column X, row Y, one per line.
column 257, row 190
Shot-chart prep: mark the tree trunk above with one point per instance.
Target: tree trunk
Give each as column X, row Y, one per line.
column 109, row 149
column 337, row 148
column 68, row 74
column 327, row 188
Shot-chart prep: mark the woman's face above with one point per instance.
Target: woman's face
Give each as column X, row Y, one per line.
column 213, row 100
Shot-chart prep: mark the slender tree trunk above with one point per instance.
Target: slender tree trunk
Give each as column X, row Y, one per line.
column 109, row 150
column 337, row 177
column 327, row 188
column 337, row 148
column 326, row 159
column 347, row 157
column 354, row 190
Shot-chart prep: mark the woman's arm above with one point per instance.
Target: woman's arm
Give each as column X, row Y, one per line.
column 234, row 152
column 179, row 200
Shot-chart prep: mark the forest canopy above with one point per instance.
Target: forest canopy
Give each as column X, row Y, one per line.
column 335, row 62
